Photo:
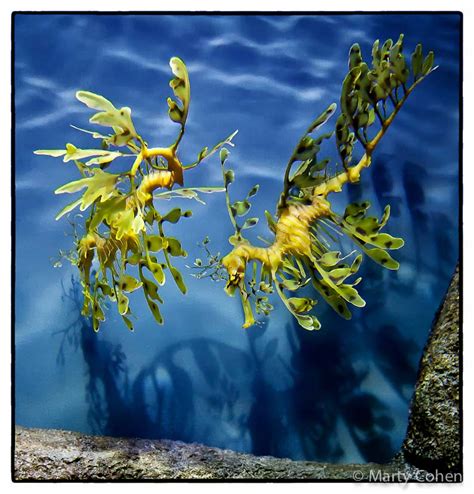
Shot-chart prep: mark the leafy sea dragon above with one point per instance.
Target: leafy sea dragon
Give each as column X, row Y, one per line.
column 123, row 226
column 303, row 248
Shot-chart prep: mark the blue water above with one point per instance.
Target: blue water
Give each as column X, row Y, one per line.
column 340, row 394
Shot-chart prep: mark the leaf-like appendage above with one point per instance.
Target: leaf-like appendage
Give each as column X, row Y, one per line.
column 101, row 185
column 301, row 304
column 119, row 120
column 323, row 118
column 270, row 221
column 105, row 211
column 310, row 171
column 309, row 322
column 157, row 271
column 333, row 279
column 55, row 153
column 182, row 90
column 95, row 101
column 155, row 310
column 72, row 153
column 249, row 223
column 189, row 193
column 129, row 284
column 174, row 247
column 240, row 208
column 417, row 61
column 229, row 177
column 365, row 231
column 333, row 299
column 178, row 278
column 173, row 216
column 68, row 208
column 365, row 87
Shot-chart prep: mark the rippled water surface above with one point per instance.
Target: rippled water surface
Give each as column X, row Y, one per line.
column 340, row 394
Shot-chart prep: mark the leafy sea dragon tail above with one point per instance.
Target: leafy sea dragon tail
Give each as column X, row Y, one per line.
column 302, row 250
column 124, row 227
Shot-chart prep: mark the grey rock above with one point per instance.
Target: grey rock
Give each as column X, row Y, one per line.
column 433, row 440
column 47, row 454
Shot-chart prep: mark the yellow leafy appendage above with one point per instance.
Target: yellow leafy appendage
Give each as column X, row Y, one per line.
column 123, row 226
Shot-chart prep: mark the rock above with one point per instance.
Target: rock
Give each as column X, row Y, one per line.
column 47, row 454
column 433, row 440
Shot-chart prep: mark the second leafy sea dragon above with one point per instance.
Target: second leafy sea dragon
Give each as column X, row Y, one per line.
column 303, row 249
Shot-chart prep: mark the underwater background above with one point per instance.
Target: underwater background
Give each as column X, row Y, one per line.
column 340, row 394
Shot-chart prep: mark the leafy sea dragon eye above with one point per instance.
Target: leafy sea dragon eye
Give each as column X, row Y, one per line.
column 123, row 227
column 303, row 250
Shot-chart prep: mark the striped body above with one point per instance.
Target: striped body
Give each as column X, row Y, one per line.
column 108, row 247
column 292, row 238
column 155, row 180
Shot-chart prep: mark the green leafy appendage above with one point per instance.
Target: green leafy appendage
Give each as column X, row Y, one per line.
column 304, row 249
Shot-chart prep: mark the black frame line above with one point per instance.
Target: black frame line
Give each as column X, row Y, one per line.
column 232, row 13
